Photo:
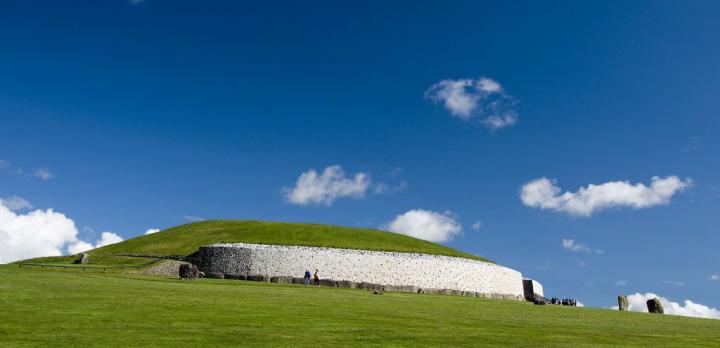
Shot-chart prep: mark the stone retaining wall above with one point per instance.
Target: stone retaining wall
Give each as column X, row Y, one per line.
column 417, row 272
column 166, row 268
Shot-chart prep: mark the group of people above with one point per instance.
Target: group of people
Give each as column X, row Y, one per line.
column 316, row 279
column 563, row 302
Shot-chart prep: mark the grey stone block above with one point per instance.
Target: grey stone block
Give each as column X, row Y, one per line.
column 370, row 286
column 235, row 276
column 215, row 275
column 347, row 284
column 430, row 291
column 327, row 282
column 654, row 306
column 281, row 279
column 258, row 278
column 450, row 292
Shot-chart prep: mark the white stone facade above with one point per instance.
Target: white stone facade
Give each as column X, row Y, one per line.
column 537, row 288
column 532, row 288
column 422, row 271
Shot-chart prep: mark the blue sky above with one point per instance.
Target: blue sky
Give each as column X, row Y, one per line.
column 149, row 114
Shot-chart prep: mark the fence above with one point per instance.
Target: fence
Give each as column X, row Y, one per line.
column 104, row 268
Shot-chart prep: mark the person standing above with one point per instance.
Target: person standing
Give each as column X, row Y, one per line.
column 316, row 278
column 307, row 278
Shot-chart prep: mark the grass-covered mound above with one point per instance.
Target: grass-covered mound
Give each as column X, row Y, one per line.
column 186, row 239
column 57, row 308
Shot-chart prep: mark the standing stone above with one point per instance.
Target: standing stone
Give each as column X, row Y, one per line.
column 84, row 258
column 654, row 306
column 622, row 303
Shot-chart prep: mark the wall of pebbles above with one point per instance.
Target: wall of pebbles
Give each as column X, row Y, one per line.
column 395, row 271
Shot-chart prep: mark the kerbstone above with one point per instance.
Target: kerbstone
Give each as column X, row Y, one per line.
column 216, row 275
column 188, row 271
column 282, row 279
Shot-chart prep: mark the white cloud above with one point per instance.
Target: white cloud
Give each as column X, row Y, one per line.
column 544, row 194
column 638, row 303
column 41, row 233
column 79, row 246
column 16, row 203
column 8, row 168
column 37, row 233
column 497, row 122
column 621, row 283
column 152, row 230
column 43, row 173
column 193, row 218
column 383, row 188
column 455, row 96
column 692, row 145
column 425, row 224
column 477, row 225
column 579, row 304
column 106, row 238
column 483, row 99
column 488, row 85
column 314, row 188
column 576, row 247
column 673, row 283
column 715, row 277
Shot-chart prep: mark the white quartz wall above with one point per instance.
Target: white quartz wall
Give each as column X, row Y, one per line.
column 537, row 288
column 385, row 268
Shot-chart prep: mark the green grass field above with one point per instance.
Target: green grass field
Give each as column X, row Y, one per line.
column 72, row 307
column 186, row 239
column 44, row 307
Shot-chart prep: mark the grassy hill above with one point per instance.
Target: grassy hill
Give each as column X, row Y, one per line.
column 186, row 239
column 86, row 308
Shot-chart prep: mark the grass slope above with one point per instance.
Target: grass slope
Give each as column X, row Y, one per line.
column 186, row 239
column 44, row 307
